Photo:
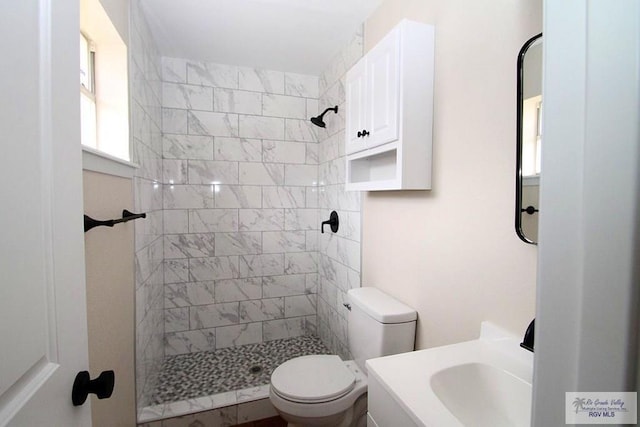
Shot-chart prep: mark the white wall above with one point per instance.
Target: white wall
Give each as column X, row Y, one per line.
column 452, row 253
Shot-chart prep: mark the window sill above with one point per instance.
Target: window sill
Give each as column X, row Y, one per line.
column 97, row 161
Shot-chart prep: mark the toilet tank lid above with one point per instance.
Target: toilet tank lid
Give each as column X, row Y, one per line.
column 380, row 306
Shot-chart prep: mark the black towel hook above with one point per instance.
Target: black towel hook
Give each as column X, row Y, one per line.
column 89, row 222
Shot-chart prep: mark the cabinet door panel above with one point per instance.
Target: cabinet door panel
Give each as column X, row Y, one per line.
column 383, row 82
column 355, row 107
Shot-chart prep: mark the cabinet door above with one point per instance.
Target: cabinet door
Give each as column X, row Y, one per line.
column 355, row 107
column 383, row 89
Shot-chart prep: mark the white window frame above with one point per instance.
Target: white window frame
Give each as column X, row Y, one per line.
column 89, row 125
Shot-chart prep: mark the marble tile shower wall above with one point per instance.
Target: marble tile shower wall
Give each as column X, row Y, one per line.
column 240, row 175
column 339, row 262
column 146, row 119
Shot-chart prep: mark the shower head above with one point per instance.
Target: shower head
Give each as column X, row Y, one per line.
column 318, row 121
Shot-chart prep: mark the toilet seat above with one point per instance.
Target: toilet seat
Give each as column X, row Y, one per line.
column 312, row 379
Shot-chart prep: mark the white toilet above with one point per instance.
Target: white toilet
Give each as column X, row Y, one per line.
column 324, row 390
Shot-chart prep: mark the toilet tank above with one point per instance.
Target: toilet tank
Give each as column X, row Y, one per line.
column 379, row 325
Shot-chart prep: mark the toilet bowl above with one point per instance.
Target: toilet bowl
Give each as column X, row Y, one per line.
column 324, row 390
column 319, row 390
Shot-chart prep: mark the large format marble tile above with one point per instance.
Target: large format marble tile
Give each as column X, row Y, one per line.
column 236, row 335
column 301, row 262
column 187, row 147
column 188, row 196
column 238, row 196
column 231, row 290
column 301, row 85
column 283, row 241
column 286, row 285
column 260, row 310
column 301, row 219
column 174, row 171
column 189, row 245
column 300, row 130
column 184, row 96
column 212, row 123
column 261, row 127
column 212, row 172
column 189, row 294
column 237, row 149
column 211, row 74
column 212, row 220
column 237, row 101
column 283, row 197
column 213, row 268
column 193, row 341
column 300, row 305
column 176, row 319
column 213, row 315
column 284, row 152
column 261, row 265
column 284, row 106
column 261, row 219
column 174, row 121
column 174, row 70
column 259, row 80
column 261, row 173
column 283, row 328
column 239, row 243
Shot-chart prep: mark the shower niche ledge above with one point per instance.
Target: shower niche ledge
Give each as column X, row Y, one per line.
column 389, row 112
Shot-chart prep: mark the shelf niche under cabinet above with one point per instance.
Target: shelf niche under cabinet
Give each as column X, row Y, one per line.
column 378, row 167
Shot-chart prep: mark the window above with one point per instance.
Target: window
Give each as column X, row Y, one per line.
column 531, row 135
column 88, row 118
column 104, row 91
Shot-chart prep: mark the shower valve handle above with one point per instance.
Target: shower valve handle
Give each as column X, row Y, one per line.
column 333, row 222
column 363, row 133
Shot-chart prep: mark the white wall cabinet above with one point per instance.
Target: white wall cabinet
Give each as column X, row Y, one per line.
column 389, row 106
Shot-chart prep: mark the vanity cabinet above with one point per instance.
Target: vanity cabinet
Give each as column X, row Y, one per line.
column 389, row 112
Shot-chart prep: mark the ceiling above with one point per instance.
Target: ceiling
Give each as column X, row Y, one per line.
column 286, row 35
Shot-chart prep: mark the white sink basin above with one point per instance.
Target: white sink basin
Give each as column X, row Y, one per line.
column 483, row 395
column 480, row 383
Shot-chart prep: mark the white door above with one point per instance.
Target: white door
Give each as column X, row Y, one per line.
column 355, row 88
column 383, row 90
column 43, row 331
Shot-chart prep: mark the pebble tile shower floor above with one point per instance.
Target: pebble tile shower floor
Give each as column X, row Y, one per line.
column 188, row 376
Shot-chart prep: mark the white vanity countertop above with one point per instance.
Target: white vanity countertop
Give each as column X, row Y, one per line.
column 406, row 377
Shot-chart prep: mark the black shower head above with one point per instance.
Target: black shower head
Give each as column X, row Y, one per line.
column 318, row 121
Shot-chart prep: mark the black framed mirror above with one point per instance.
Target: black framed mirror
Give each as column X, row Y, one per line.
column 528, row 139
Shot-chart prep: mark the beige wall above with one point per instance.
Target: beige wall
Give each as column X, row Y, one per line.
column 452, row 253
column 110, row 296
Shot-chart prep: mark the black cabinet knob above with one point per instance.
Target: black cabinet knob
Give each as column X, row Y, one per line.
column 363, row 133
column 83, row 385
